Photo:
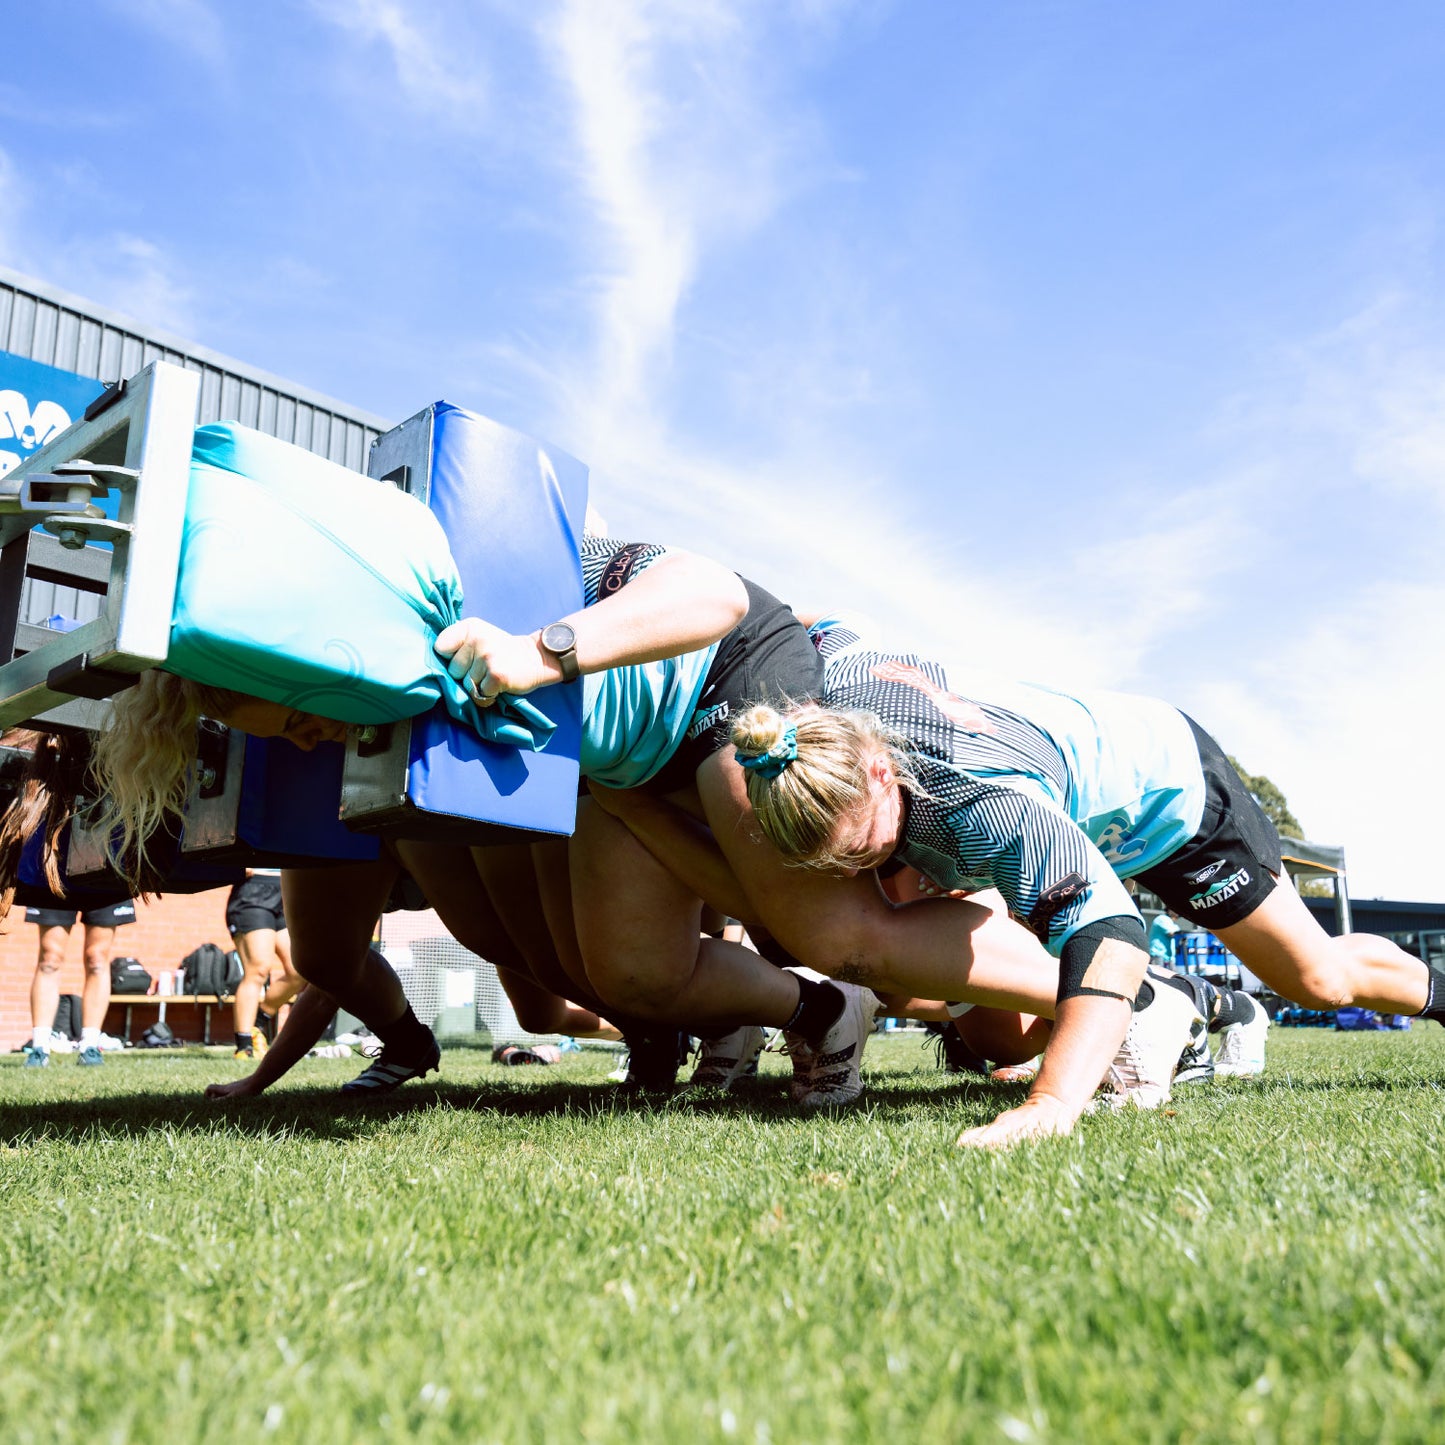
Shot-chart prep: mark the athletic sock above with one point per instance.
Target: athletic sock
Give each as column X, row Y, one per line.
column 40, row 1039
column 407, row 1035
column 1200, row 992
column 820, row 1006
column 89, row 1038
column 1435, row 997
column 1234, row 1008
column 243, row 1042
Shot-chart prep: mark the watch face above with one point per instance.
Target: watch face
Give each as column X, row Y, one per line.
column 559, row 638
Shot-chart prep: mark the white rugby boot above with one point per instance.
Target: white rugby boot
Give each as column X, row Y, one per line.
column 1241, row 1046
column 1159, row 1033
column 834, row 1081
column 723, row 1062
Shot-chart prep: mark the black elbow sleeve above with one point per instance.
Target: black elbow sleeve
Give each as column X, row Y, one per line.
column 1079, row 953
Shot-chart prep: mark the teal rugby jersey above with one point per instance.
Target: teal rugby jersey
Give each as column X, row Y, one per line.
column 633, row 718
column 1050, row 798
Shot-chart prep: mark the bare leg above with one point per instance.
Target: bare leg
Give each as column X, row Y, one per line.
column 540, row 1011
column 257, row 948
column 552, row 861
column 280, row 991
column 638, row 931
column 452, row 879
column 1287, row 948
column 331, row 915
column 95, row 1000
column 45, row 985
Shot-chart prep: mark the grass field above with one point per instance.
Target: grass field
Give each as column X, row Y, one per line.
column 512, row 1255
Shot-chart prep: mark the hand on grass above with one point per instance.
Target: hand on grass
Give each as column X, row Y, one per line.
column 1036, row 1118
column 246, row 1088
column 489, row 661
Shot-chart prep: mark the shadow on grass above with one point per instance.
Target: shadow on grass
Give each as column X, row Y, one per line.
column 323, row 1112
column 326, row 1113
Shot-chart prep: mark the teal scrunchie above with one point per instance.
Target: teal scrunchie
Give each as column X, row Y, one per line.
column 777, row 757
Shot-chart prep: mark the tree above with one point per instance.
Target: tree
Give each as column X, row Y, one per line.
column 1270, row 799
column 1277, row 810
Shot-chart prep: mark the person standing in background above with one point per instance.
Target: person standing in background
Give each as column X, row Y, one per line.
column 55, row 924
column 257, row 923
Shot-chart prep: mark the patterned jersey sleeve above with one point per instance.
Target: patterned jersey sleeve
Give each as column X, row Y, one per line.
column 965, row 832
column 608, row 565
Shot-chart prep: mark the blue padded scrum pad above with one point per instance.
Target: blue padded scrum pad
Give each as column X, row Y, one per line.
column 512, row 510
column 182, row 875
column 291, row 801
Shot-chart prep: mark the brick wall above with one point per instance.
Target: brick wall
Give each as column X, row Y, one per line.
column 165, row 930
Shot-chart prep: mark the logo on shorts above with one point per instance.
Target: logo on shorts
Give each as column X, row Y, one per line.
column 1226, row 888
column 1205, row 874
column 704, row 721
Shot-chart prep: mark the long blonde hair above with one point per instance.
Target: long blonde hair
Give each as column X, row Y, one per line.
column 141, row 761
column 801, row 806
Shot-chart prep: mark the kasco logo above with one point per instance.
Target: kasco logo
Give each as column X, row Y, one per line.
column 1205, row 874
column 1226, row 888
column 702, row 721
column 23, row 431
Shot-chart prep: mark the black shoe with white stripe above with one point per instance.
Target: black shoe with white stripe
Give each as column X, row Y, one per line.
column 391, row 1071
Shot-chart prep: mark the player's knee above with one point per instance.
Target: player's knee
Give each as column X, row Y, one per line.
column 1324, row 987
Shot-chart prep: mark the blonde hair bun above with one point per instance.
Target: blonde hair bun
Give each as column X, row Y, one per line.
column 758, row 731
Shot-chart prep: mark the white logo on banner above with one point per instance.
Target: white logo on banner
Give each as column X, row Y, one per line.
column 26, row 429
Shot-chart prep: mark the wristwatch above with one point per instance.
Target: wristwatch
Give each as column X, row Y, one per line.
column 561, row 641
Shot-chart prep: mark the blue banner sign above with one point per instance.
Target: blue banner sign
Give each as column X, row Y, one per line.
column 37, row 403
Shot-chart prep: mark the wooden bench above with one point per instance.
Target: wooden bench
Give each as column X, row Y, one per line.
column 129, row 1002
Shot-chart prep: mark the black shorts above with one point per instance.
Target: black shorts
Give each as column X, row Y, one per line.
column 255, row 903
column 767, row 657
column 1228, row 868
column 108, row 915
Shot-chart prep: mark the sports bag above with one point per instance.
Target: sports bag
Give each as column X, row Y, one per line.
column 207, row 970
column 127, row 975
column 158, row 1036
column 344, row 588
column 67, row 1017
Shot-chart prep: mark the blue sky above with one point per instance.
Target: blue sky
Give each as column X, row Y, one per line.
column 1103, row 344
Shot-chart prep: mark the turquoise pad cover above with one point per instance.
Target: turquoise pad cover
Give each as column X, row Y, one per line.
column 306, row 585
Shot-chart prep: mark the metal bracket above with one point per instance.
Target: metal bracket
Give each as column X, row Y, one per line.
column 137, row 439
column 79, row 677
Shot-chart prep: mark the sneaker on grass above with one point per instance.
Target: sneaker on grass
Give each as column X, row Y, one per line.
column 1158, row 1034
column 390, row 1071
column 36, row 1058
column 835, row 1082
column 803, row 1056
column 723, row 1062
column 1241, row 1046
column 90, row 1057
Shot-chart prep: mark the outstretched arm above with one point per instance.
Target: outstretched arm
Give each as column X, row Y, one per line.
column 680, row 603
column 312, row 1011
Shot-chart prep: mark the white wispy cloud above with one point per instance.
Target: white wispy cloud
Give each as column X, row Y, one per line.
column 1338, row 692
column 442, row 73
column 191, row 25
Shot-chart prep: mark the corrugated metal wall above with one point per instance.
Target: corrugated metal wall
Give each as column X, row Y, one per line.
column 57, row 329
